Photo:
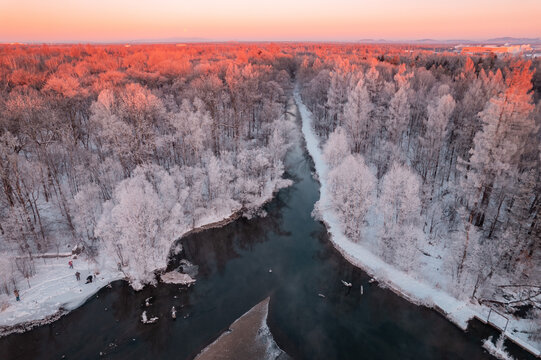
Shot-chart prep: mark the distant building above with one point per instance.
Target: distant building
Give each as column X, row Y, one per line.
column 498, row 50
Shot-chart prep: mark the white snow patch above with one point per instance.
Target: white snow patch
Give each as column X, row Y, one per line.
column 53, row 287
column 497, row 350
column 175, row 277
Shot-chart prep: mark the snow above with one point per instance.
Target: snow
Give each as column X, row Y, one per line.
column 174, row 277
column 497, row 320
column 53, row 287
column 497, row 350
column 404, row 284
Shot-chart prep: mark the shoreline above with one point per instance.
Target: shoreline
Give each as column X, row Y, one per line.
column 216, row 224
column 27, row 325
column 456, row 311
column 66, row 295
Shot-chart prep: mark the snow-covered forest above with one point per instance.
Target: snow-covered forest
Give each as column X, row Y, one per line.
column 124, row 149
column 434, row 158
column 434, row 165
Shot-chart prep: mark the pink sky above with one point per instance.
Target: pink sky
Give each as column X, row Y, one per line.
column 118, row 20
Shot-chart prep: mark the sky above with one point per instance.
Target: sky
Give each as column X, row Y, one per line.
column 275, row 20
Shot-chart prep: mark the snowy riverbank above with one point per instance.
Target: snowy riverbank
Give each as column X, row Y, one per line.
column 54, row 291
column 416, row 291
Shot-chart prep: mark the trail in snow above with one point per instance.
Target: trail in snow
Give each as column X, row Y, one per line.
column 418, row 292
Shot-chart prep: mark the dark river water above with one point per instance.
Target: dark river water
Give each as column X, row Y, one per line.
column 233, row 275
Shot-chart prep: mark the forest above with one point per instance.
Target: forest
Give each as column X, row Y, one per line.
column 434, row 165
column 124, row 149
column 434, row 156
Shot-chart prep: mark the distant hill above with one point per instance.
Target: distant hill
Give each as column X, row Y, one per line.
column 499, row 40
column 371, row 41
column 171, row 40
column 425, row 41
column 512, row 40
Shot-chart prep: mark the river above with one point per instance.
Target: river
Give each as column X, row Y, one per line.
column 285, row 255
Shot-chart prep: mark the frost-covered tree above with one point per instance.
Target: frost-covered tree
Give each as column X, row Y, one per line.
column 87, row 208
column 337, row 95
column 352, row 187
column 401, row 206
column 399, row 113
column 7, row 273
column 131, row 229
column 336, row 148
column 192, row 130
column 282, row 137
column 357, row 117
column 499, row 193
column 439, row 114
column 493, row 168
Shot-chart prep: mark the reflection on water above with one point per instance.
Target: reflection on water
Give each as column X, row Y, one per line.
column 234, row 264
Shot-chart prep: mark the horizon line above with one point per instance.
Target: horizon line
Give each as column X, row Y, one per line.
column 196, row 40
